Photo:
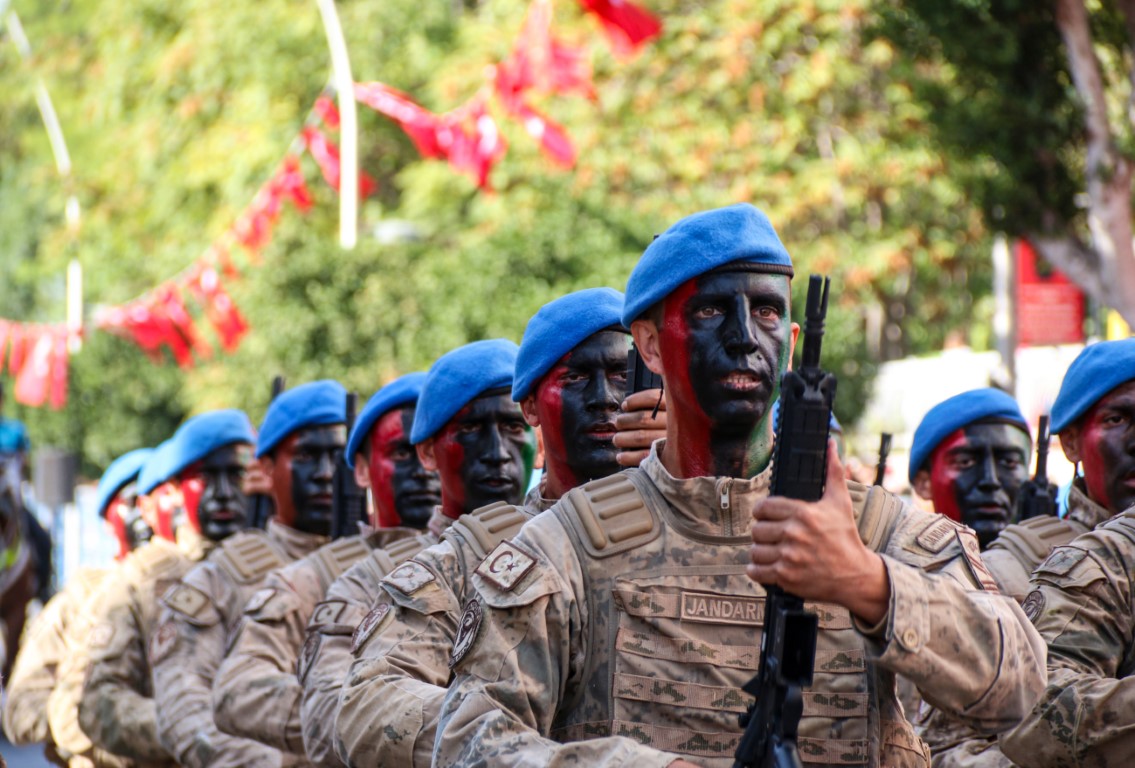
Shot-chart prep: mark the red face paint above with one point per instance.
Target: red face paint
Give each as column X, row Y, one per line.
column 550, row 410
column 690, row 425
column 1107, row 449
column 450, row 456
column 116, row 516
column 168, row 501
column 943, row 477
column 192, row 488
column 282, row 481
column 386, row 434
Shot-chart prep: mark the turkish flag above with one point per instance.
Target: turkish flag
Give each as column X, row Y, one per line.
column 59, row 369
column 419, row 123
column 32, row 381
column 224, row 316
column 553, row 138
column 326, row 156
column 4, row 326
column 627, row 26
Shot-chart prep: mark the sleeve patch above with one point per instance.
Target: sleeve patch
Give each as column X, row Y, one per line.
column 1033, row 605
column 467, row 631
column 409, row 577
column 327, row 612
column 259, row 600
column 1063, row 560
column 977, row 567
column 162, row 642
column 368, row 626
column 936, row 536
column 186, row 599
column 310, row 651
column 506, row 565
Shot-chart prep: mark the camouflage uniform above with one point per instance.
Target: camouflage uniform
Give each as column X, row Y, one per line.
column 1011, row 559
column 42, row 654
column 259, row 672
column 1083, row 604
column 394, row 689
column 624, row 612
column 116, row 707
column 200, row 615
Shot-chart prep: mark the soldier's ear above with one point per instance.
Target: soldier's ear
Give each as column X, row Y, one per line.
column 922, row 484
column 1071, row 444
column 528, row 408
column 362, row 471
column 792, row 343
column 649, row 346
column 426, row 455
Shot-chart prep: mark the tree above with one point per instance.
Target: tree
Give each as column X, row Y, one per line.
column 1035, row 102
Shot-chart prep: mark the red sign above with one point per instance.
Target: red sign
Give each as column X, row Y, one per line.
column 1050, row 308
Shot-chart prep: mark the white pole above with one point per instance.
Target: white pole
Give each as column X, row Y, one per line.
column 348, row 125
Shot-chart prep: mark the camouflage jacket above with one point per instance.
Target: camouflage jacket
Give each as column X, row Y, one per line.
column 259, row 672
column 618, row 628
column 199, row 615
column 1083, row 604
column 1011, row 558
column 116, row 707
column 40, row 659
column 393, row 692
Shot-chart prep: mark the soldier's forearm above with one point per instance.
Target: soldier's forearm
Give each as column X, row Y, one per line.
column 121, row 721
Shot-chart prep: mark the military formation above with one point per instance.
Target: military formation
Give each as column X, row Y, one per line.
column 612, row 612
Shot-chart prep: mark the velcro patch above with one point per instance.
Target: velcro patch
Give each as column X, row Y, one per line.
column 101, row 636
column 186, row 599
column 467, row 631
column 1063, row 560
column 1033, row 605
column 409, row 577
column 937, row 535
column 259, row 600
column 972, row 551
column 310, row 649
column 327, row 612
column 162, row 642
column 368, row 625
column 506, row 565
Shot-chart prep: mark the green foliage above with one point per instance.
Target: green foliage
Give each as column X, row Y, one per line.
column 176, row 114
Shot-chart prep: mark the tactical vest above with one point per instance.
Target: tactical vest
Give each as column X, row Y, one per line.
column 1020, row 548
column 249, row 556
column 476, row 534
column 332, row 559
column 667, row 659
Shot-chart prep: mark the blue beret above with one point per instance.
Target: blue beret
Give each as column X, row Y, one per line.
column 119, row 474
column 457, row 378
column 202, row 434
column 1096, row 371
column 558, row 327
column 315, row 404
column 158, row 467
column 397, row 393
column 956, row 412
column 701, row 243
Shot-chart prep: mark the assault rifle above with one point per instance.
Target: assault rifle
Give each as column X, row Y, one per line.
column 261, row 506
column 639, row 377
column 799, row 471
column 884, row 452
column 1037, row 497
column 348, row 501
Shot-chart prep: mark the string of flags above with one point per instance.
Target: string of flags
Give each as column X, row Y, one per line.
column 36, row 355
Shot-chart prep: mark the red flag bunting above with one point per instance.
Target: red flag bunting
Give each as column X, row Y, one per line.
column 627, row 26
column 205, row 285
column 57, row 397
column 4, row 326
column 33, row 375
column 326, row 156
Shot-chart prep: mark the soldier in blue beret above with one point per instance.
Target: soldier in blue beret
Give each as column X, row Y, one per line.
column 379, row 450
column 612, row 627
column 969, row 457
column 118, row 501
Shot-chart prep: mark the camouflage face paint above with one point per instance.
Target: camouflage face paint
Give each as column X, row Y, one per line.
column 404, row 492
column 1107, row 439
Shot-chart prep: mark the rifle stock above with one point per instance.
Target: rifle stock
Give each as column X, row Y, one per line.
column 884, row 452
column 788, row 641
column 1037, row 497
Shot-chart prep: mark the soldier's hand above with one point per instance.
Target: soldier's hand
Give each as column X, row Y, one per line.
column 813, row 550
column 636, row 429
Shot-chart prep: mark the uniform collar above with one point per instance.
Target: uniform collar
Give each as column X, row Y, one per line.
column 1082, row 509
column 439, row 521
column 296, row 544
column 535, row 502
column 716, row 507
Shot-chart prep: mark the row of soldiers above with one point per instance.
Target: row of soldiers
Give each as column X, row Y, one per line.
column 612, row 614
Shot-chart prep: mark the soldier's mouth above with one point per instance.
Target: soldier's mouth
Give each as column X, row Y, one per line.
column 741, row 381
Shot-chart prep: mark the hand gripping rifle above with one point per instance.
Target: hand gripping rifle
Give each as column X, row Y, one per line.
column 799, row 469
column 348, row 501
column 1037, row 497
column 260, row 505
column 884, row 452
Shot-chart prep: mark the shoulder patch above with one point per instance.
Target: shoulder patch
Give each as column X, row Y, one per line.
column 327, row 612
column 259, row 599
column 368, row 626
column 162, row 642
column 937, row 535
column 972, row 551
column 467, row 631
column 506, row 565
column 308, row 654
column 409, row 577
column 1063, row 560
column 186, row 599
column 1033, row 605
column 101, row 636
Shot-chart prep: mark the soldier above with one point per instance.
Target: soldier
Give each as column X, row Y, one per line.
column 44, row 650
column 623, row 626
column 302, row 437
column 117, row 710
column 969, row 456
column 259, row 672
column 570, row 378
column 1082, row 594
